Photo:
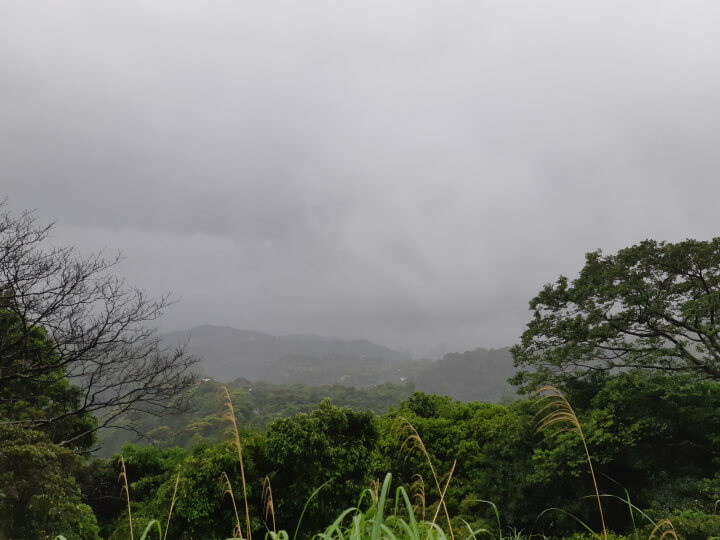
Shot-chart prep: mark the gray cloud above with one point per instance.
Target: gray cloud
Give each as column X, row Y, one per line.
column 409, row 172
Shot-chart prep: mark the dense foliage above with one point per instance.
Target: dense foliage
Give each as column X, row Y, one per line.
column 651, row 436
column 653, row 306
column 256, row 406
column 39, row 440
column 479, row 374
column 39, row 494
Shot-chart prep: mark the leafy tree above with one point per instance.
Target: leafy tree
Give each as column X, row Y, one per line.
column 151, row 472
column 33, row 401
column 98, row 482
column 654, row 435
column 39, row 497
column 74, row 354
column 489, row 445
column 38, row 493
column 653, row 306
column 652, row 432
column 202, row 509
column 331, row 444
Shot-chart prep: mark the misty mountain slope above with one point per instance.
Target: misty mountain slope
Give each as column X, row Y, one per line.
column 477, row 375
column 355, row 371
column 230, row 353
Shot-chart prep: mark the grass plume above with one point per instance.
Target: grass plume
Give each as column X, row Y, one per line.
column 665, row 529
column 414, row 441
column 444, row 491
column 418, row 493
column 230, row 415
column 268, row 502
column 237, row 530
column 126, row 489
column 172, row 505
column 556, row 409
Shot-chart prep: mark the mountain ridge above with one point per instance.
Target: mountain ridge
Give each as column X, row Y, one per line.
column 231, row 354
column 228, row 353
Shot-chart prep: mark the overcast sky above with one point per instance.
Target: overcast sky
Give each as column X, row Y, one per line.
column 408, row 172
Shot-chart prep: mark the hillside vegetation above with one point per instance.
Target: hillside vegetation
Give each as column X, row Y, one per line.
column 477, row 375
column 256, row 406
column 651, row 438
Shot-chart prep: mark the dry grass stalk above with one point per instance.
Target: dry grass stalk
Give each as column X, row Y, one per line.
column 237, row 530
column 230, row 415
column 557, row 410
column 126, row 489
column 442, row 496
column 375, row 489
column 413, row 441
column 666, row 530
column 418, row 490
column 172, row 505
column 268, row 502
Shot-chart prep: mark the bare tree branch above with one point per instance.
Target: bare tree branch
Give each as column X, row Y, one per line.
column 99, row 330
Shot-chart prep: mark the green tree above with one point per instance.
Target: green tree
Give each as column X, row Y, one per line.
column 46, row 402
column 653, row 306
column 654, row 435
column 489, row 445
column 331, row 444
column 74, row 354
column 39, row 496
column 38, row 492
column 202, row 509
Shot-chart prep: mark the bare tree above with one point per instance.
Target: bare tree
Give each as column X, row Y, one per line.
column 99, row 330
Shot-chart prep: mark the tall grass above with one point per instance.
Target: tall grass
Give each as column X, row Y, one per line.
column 237, row 530
column 230, row 415
column 172, row 505
column 418, row 491
column 268, row 503
column 414, row 441
column 126, row 489
column 376, row 523
column 556, row 409
column 665, row 530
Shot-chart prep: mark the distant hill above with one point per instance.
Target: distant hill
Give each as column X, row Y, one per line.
column 229, row 353
column 477, row 375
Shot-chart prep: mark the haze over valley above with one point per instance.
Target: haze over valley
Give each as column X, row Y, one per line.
column 227, row 354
